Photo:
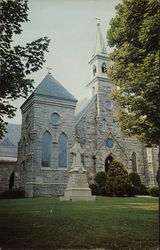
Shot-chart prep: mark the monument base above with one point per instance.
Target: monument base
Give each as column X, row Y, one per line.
column 78, row 194
column 77, row 188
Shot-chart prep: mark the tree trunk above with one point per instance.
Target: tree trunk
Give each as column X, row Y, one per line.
column 159, row 165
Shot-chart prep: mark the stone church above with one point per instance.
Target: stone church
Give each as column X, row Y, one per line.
column 52, row 122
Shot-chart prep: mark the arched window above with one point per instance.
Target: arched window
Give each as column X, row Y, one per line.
column 104, row 68
column 46, row 149
column 134, row 162
column 104, row 125
column 94, row 70
column 62, row 151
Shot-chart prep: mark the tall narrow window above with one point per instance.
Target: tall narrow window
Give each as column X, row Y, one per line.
column 134, row 162
column 104, row 125
column 104, row 68
column 46, row 149
column 94, row 70
column 62, row 151
column 114, row 126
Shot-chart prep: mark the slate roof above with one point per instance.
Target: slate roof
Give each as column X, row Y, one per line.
column 50, row 87
column 9, row 143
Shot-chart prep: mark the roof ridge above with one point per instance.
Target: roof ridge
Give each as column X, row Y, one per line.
column 82, row 112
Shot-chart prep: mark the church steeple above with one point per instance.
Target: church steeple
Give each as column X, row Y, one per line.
column 100, row 59
column 100, row 47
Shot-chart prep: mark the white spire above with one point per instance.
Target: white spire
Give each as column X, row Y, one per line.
column 100, row 47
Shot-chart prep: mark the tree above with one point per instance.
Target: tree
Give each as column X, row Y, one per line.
column 134, row 34
column 17, row 62
column 117, row 179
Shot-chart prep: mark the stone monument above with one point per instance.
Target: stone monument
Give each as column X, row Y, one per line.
column 77, row 188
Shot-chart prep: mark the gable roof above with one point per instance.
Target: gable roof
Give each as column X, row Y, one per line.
column 83, row 107
column 9, row 143
column 50, row 87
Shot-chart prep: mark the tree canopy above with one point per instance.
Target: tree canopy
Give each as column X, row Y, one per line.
column 17, row 62
column 134, row 36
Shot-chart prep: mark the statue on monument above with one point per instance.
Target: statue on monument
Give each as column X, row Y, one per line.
column 77, row 165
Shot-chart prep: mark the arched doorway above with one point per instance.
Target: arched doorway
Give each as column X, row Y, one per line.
column 11, row 180
column 108, row 162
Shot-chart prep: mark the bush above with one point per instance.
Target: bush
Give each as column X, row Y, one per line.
column 12, row 194
column 102, row 191
column 94, row 189
column 143, row 190
column 117, row 179
column 101, row 179
column 134, row 179
column 132, row 190
column 154, row 191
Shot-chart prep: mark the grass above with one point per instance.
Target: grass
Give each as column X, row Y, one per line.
column 108, row 223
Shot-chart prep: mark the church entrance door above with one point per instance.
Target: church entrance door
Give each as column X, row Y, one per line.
column 108, row 162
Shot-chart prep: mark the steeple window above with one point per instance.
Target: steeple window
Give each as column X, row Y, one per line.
column 94, row 70
column 104, row 68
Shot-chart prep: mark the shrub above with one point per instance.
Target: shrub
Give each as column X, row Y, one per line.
column 12, row 194
column 135, row 179
column 102, row 191
column 132, row 190
column 94, row 189
column 117, row 179
column 101, row 179
column 143, row 190
column 154, row 191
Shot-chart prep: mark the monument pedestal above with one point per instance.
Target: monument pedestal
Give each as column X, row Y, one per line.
column 77, row 188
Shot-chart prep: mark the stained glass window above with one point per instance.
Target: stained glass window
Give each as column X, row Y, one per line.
column 62, row 151
column 55, row 118
column 46, row 149
column 109, row 142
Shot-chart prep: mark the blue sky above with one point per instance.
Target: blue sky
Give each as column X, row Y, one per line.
column 71, row 26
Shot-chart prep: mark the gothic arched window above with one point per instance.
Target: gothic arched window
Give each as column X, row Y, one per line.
column 104, row 68
column 134, row 162
column 46, row 149
column 94, row 70
column 62, row 151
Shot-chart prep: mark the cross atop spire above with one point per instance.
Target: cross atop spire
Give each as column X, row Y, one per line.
column 49, row 70
column 100, row 47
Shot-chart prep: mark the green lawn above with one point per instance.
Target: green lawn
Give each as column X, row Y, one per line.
column 108, row 223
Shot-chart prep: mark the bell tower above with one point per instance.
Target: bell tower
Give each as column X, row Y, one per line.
column 100, row 59
column 100, row 84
